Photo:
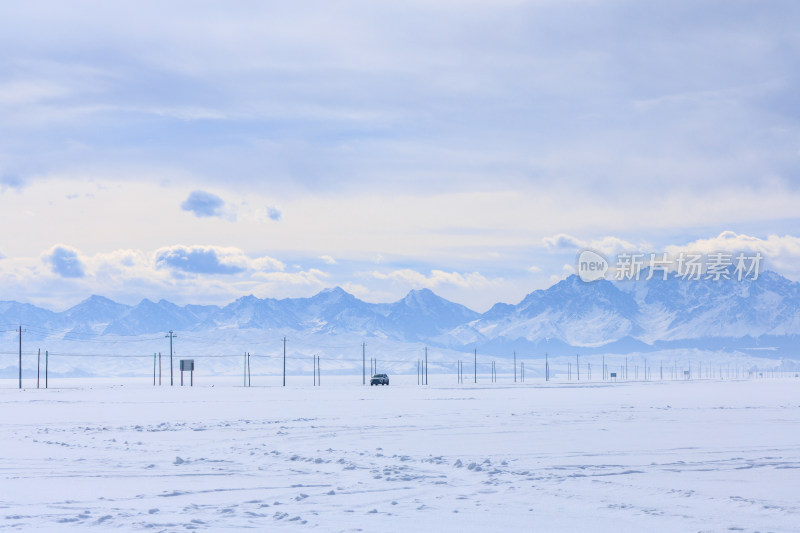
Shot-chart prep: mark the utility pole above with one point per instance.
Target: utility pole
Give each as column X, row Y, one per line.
column 171, row 377
column 363, row 363
column 20, row 356
column 426, row 365
column 284, row 361
column 546, row 368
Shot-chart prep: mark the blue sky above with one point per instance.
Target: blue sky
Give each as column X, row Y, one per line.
column 200, row 151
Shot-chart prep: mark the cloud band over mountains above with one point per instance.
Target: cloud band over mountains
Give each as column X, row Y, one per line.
column 209, row 273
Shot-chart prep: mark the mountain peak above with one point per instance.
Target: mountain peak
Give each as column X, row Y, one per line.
column 95, row 306
column 422, row 297
column 333, row 294
column 421, row 292
column 333, row 290
column 97, row 301
column 96, row 298
column 146, row 301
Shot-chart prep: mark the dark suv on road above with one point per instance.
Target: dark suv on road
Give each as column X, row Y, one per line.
column 379, row 379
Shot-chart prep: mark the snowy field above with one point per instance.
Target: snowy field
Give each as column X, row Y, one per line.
column 655, row 456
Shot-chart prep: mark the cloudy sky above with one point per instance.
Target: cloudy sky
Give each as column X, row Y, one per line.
column 201, row 151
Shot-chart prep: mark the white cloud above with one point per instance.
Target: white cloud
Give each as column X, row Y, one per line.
column 266, row 263
column 311, row 277
column 175, row 272
column 781, row 253
column 212, row 260
column 436, row 278
column 606, row 245
column 328, row 259
column 359, row 291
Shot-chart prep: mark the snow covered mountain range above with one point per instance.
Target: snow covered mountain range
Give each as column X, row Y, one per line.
column 602, row 316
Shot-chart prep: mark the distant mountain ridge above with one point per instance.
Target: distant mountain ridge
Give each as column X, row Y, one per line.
column 417, row 316
column 619, row 316
column 647, row 314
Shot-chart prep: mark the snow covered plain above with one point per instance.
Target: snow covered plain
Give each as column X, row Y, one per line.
column 638, row 456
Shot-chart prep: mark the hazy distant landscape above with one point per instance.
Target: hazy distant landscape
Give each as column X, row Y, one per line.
column 745, row 323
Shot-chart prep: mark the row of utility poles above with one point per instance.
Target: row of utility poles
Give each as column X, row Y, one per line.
column 19, row 330
column 38, row 362
column 519, row 375
column 422, row 367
